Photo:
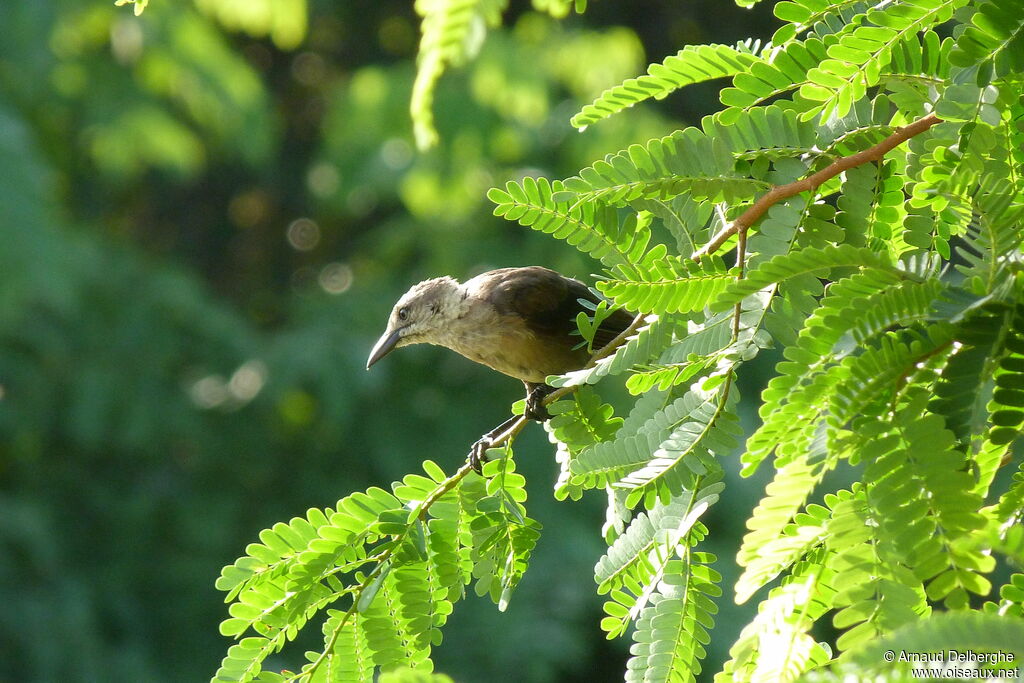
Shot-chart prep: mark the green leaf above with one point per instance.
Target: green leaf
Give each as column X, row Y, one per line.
column 692, row 64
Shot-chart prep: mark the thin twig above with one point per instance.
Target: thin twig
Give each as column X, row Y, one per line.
column 603, row 352
column 741, row 266
column 813, row 181
column 610, row 347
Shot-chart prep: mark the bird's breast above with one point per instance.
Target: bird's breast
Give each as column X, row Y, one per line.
column 505, row 344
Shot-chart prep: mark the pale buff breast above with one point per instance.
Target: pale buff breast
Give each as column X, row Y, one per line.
column 506, row 345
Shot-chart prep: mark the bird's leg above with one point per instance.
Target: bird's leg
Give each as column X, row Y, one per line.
column 535, row 395
column 478, row 451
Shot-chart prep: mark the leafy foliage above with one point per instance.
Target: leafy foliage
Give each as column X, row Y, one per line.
column 666, row 283
column 866, row 149
column 857, row 60
column 452, row 32
column 693, row 64
column 591, row 227
column 139, row 6
column 399, row 567
column 963, row 631
column 992, row 41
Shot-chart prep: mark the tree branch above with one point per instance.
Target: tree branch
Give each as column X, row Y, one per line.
column 740, row 225
column 813, row 181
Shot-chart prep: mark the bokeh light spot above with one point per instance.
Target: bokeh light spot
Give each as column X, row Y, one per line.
column 209, row 392
column 336, row 278
column 323, row 179
column 396, row 153
column 126, row 40
column 303, row 234
column 248, row 380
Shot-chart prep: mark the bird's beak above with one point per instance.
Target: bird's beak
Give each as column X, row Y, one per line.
column 384, row 346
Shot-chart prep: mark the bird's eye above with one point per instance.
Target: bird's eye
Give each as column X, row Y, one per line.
column 403, row 314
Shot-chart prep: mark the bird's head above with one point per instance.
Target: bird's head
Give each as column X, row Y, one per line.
column 421, row 316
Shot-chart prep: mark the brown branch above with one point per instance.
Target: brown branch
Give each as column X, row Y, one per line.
column 812, row 182
column 740, row 225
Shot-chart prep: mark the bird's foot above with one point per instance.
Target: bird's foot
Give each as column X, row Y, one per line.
column 478, row 451
column 478, row 454
column 535, row 409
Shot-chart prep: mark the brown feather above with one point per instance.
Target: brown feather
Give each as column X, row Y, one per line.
column 547, row 302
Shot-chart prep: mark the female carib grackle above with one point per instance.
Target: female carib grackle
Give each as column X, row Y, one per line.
column 518, row 321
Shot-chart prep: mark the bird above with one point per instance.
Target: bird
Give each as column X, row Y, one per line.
column 518, row 321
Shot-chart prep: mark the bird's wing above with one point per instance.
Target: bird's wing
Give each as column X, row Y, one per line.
column 546, row 301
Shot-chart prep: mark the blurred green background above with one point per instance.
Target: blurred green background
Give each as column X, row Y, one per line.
column 206, row 213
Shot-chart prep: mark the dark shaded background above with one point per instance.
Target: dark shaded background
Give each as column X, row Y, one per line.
column 205, row 216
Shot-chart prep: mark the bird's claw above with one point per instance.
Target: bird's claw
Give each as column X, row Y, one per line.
column 478, row 454
column 535, row 409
